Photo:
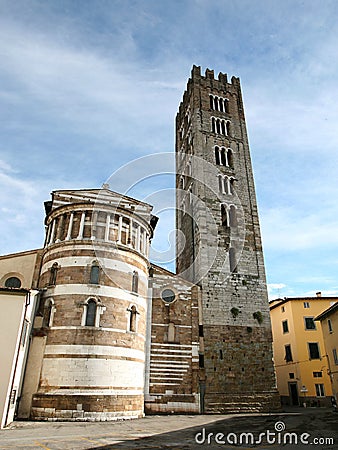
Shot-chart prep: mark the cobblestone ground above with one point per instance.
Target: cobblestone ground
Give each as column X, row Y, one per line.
column 292, row 429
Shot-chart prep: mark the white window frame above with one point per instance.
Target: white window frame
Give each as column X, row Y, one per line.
column 100, row 309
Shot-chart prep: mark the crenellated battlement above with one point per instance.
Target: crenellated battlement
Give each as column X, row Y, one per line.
column 210, row 75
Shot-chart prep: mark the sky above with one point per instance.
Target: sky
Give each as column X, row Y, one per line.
column 88, row 87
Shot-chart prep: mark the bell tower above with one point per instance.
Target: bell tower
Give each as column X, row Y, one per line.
column 219, row 246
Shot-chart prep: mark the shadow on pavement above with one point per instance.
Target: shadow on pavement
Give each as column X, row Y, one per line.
column 249, row 431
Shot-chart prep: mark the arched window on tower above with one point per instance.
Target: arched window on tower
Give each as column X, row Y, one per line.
column 231, row 189
column 211, row 102
column 91, row 311
column 228, row 128
column 230, row 158
column 134, row 284
column 94, row 273
column 223, row 157
column 53, row 274
column 218, row 126
column 223, row 130
column 213, row 125
column 217, row 155
column 48, row 313
column 224, row 215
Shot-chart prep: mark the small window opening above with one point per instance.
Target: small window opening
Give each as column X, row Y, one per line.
column 285, row 326
column 132, row 318
column 91, row 313
column 217, row 156
column 224, row 157
column 224, row 216
column 201, row 360
column 288, row 353
column 134, row 286
column 94, row 274
column 213, row 125
column 309, row 323
column 313, row 350
column 13, row 282
column 223, row 128
column 53, row 274
column 47, row 313
column 230, row 159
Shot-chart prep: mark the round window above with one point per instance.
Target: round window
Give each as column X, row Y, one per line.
column 13, row 282
column 168, row 295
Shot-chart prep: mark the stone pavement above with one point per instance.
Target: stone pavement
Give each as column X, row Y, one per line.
column 317, row 427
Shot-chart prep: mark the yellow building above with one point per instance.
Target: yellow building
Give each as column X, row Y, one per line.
column 329, row 324
column 301, row 363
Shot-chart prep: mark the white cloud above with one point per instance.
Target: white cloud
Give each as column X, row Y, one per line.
column 287, row 229
column 83, row 84
column 274, row 286
column 276, row 290
column 11, row 185
column 5, row 167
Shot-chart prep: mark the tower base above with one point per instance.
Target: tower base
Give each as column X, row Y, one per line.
column 53, row 407
column 244, row 402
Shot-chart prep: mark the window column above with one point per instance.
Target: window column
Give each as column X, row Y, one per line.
column 70, row 227
column 144, row 242
column 130, row 233
column 106, row 236
column 48, row 231
column 147, row 248
column 226, row 158
column 94, row 225
column 138, row 239
column 119, row 229
column 82, row 222
column 51, row 239
column 228, row 182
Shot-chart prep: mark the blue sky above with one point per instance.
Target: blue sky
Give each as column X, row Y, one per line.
column 89, row 86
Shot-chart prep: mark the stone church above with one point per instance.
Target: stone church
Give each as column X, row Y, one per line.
column 115, row 336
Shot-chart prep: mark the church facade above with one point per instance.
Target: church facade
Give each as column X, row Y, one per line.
column 114, row 336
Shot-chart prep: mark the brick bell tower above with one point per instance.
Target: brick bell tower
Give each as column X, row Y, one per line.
column 219, row 246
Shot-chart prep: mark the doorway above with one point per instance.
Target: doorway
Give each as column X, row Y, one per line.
column 294, row 398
